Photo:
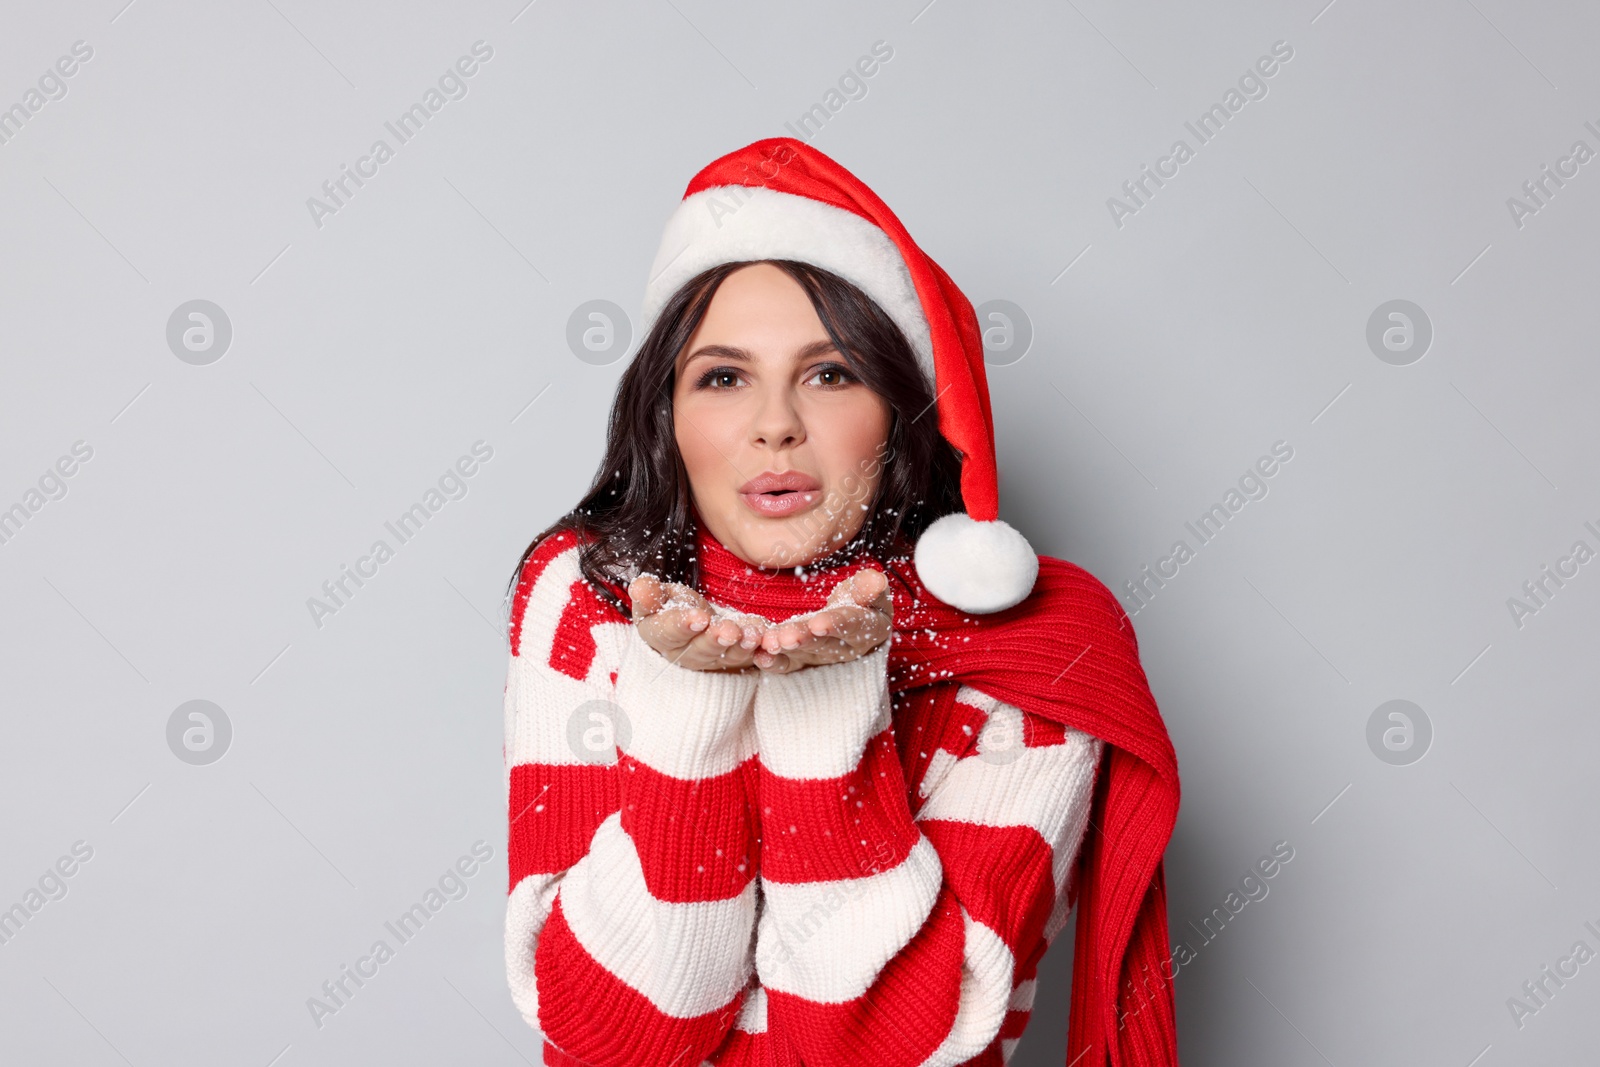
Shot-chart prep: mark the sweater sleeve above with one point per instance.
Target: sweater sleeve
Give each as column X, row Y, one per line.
column 631, row 832
column 902, row 937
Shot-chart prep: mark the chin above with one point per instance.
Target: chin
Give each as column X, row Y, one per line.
column 776, row 551
column 795, row 543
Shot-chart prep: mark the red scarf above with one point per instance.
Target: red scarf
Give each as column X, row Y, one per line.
column 1066, row 653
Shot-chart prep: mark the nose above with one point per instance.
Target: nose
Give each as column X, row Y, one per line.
column 777, row 424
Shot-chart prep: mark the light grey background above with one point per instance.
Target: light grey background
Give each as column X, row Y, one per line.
column 1230, row 312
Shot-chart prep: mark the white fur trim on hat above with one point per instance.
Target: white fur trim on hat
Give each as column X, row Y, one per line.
column 730, row 223
column 979, row 567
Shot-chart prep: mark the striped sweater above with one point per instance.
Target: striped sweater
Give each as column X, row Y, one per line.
column 783, row 869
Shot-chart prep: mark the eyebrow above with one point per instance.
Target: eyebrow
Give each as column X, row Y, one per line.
column 742, row 355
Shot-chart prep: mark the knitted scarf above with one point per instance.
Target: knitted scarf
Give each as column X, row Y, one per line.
column 1066, row 653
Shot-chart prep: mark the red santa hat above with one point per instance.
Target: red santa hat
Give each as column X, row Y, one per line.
column 782, row 199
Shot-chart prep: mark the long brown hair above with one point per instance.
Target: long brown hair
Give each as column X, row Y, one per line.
column 636, row 513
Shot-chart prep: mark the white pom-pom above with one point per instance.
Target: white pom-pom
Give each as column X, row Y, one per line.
column 979, row 567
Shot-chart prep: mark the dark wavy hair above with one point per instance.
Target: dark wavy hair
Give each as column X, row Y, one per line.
column 637, row 512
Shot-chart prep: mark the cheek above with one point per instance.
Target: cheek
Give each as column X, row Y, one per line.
column 697, row 435
column 852, row 439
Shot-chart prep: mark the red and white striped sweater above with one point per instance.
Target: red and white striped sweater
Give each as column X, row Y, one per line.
column 716, row 868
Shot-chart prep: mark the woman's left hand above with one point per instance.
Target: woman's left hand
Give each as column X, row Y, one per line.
column 857, row 620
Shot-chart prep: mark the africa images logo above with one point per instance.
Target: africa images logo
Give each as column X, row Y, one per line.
column 338, row 991
column 1139, row 591
column 453, row 484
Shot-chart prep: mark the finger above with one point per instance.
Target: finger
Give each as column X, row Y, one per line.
column 725, row 632
column 869, row 584
column 849, row 619
column 686, row 596
column 680, row 608
column 772, row 640
column 668, row 614
column 677, row 625
column 880, row 603
column 663, row 630
column 861, row 588
column 776, row 663
column 711, row 649
column 858, row 629
column 753, row 629
column 791, row 636
column 684, row 621
column 687, row 604
column 879, row 600
column 647, row 595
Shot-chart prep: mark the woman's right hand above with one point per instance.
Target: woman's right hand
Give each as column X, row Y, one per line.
column 678, row 623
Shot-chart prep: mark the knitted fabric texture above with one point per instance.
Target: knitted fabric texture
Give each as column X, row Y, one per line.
column 855, row 862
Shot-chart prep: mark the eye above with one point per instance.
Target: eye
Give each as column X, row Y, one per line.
column 831, row 375
column 718, row 378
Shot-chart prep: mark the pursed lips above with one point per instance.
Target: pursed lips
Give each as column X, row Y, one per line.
column 776, row 494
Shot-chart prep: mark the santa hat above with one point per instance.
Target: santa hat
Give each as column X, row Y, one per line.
column 782, row 199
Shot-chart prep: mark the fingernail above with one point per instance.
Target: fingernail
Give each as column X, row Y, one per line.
column 699, row 624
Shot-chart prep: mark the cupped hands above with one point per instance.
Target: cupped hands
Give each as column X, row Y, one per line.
column 686, row 629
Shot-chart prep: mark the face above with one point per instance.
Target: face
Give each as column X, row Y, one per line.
column 782, row 444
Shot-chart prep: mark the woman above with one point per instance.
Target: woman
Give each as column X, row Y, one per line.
column 808, row 754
